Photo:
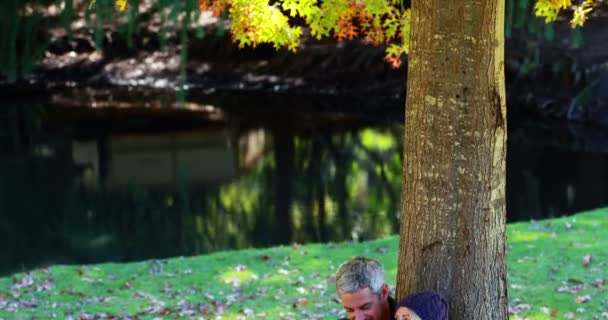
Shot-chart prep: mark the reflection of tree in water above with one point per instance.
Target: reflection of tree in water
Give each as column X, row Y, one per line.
column 319, row 187
column 284, row 153
column 349, row 185
column 314, row 186
column 311, row 187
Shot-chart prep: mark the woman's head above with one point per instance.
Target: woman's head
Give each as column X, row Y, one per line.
column 423, row 305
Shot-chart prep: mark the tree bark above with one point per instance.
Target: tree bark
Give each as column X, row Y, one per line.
column 453, row 201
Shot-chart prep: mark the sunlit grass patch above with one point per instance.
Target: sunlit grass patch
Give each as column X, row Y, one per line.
column 558, row 267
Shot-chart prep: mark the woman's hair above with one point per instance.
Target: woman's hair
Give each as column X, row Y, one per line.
column 359, row 273
column 428, row 305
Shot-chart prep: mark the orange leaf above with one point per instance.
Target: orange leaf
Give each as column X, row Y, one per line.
column 394, row 61
column 217, row 8
column 346, row 29
column 203, row 5
column 554, row 313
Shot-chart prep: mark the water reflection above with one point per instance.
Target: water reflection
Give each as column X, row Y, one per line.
column 74, row 193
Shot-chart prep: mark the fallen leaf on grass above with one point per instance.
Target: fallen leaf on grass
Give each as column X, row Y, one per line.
column 518, row 308
column 582, row 299
column 26, row 281
column 554, row 313
column 45, row 286
column 574, row 289
column 248, row 312
column 587, row 260
column 27, row 304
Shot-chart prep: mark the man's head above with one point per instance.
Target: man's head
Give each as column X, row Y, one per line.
column 361, row 287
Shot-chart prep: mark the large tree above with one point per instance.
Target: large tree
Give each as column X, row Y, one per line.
column 453, row 201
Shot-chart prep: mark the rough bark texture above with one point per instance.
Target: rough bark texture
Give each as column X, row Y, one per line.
column 453, row 204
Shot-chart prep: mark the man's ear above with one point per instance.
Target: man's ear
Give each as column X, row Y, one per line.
column 385, row 291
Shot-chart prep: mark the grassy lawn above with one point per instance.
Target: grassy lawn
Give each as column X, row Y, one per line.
column 557, row 270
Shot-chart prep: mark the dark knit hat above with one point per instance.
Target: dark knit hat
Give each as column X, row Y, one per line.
column 428, row 305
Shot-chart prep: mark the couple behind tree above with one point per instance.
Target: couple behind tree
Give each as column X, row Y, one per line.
column 365, row 295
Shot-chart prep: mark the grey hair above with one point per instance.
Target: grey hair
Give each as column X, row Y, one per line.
column 359, row 273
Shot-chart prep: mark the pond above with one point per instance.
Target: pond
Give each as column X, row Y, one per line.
column 86, row 185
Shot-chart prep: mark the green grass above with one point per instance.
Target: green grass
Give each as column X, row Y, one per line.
column 295, row 282
column 545, row 266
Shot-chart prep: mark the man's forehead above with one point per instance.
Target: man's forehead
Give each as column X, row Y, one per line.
column 358, row 298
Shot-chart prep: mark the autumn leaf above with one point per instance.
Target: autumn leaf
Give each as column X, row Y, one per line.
column 121, row 4
column 587, row 260
column 203, row 5
column 582, row 299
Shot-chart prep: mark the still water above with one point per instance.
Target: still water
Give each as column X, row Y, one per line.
column 85, row 186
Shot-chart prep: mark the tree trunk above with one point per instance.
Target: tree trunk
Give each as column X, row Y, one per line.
column 453, row 202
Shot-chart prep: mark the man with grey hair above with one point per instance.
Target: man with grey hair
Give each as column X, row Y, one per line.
column 362, row 290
